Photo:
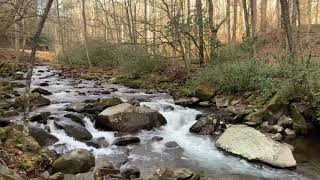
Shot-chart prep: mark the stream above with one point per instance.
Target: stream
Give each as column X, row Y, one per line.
column 196, row 152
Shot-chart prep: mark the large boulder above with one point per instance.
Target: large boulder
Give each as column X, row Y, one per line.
column 128, row 118
column 42, row 136
column 74, row 129
column 74, row 162
column 41, row 117
column 207, row 125
column 187, row 101
column 255, row 146
column 36, row 100
column 102, row 104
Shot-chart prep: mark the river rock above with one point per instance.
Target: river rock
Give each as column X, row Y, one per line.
column 187, row 101
column 36, row 100
column 206, row 125
column 285, row 122
column 128, row 118
column 75, row 118
column 255, row 146
column 4, row 104
column 9, row 113
column 44, row 84
column 123, row 141
column 41, row 91
column 290, row 134
column 101, row 104
column 130, row 172
column 274, row 112
column 172, row 144
column 181, row 174
column 41, row 117
column 76, row 107
column 74, row 161
column 42, row 136
column 98, row 142
column 276, row 137
column 73, row 129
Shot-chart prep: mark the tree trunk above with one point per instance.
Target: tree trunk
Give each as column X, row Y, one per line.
column 287, row 26
column 253, row 4
column 263, row 25
column 228, row 22
column 85, row 35
column 61, row 38
column 30, row 67
column 146, row 22
column 235, row 21
column 200, row 30
column 246, row 19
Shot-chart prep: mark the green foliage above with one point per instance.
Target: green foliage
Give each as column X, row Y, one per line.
column 284, row 76
column 132, row 58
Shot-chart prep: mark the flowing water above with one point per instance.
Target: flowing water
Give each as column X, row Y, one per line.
column 196, row 152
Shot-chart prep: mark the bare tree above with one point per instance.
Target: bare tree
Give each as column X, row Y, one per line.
column 263, row 24
column 85, row 33
column 287, row 26
column 235, row 21
column 253, row 5
column 35, row 40
column 200, row 30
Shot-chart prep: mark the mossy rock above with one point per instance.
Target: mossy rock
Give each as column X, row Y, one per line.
column 14, row 137
column 36, row 99
column 204, row 92
column 300, row 124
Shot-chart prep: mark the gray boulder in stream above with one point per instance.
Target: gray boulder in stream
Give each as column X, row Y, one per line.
column 42, row 136
column 74, row 129
column 74, row 162
column 251, row 144
column 128, row 118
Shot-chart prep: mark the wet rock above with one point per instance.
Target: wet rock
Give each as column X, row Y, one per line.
column 100, row 105
column 207, row 125
column 75, row 118
column 133, row 102
column 157, row 138
column 17, row 85
column 74, row 161
column 254, row 117
column 98, row 142
column 74, row 130
column 285, row 122
column 44, row 84
column 41, row 117
column 301, row 126
column 36, row 100
column 105, row 92
column 123, row 141
column 276, row 129
column 276, row 137
column 41, row 91
column 290, row 134
column 9, row 113
column 204, row 104
column 4, row 104
column 42, row 136
column 274, row 112
column 4, row 122
column 128, row 118
column 238, row 138
column 117, row 159
column 76, row 107
column 103, row 163
column 186, row 101
column 181, row 174
column 172, row 144
column 80, row 176
column 130, row 172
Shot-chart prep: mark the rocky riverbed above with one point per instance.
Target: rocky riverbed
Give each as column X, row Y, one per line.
column 128, row 133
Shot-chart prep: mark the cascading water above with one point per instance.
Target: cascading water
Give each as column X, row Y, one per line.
column 196, row 152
